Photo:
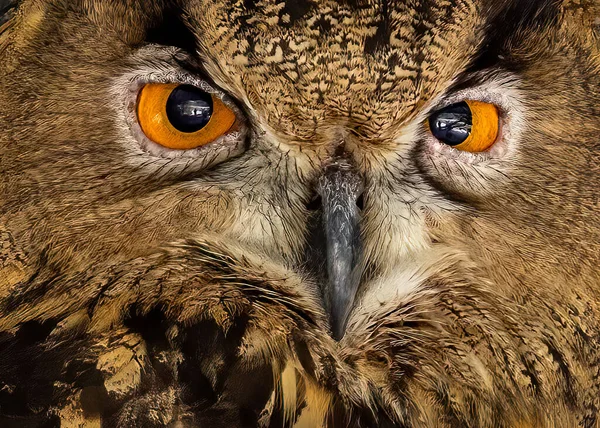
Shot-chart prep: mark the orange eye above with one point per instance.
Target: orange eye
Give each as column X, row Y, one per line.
column 470, row 126
column 182, row 117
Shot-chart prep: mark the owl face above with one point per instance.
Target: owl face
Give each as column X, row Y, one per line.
column 378, row 151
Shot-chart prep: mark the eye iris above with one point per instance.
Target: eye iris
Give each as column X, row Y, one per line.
column 189, row 109
column 452, row 125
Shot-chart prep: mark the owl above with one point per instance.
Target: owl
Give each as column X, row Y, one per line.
column 300, row 213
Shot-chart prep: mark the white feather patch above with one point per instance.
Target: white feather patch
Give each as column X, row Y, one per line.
column 393, row 288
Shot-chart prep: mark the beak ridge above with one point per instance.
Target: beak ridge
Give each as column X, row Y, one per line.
column 340, row 188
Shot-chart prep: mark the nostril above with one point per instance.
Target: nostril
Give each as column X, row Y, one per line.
column 360, row 202
column 314, row 204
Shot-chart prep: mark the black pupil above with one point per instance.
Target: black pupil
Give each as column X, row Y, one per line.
column 189, row 109
column 452, row 125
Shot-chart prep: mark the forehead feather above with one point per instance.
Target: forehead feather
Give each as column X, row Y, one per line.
column 371, row 60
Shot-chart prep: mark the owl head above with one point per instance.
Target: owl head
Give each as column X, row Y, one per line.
column 333, row 212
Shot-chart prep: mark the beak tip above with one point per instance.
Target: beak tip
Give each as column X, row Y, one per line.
column 338, row 329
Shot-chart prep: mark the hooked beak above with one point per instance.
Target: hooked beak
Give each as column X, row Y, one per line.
column 340, row 188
